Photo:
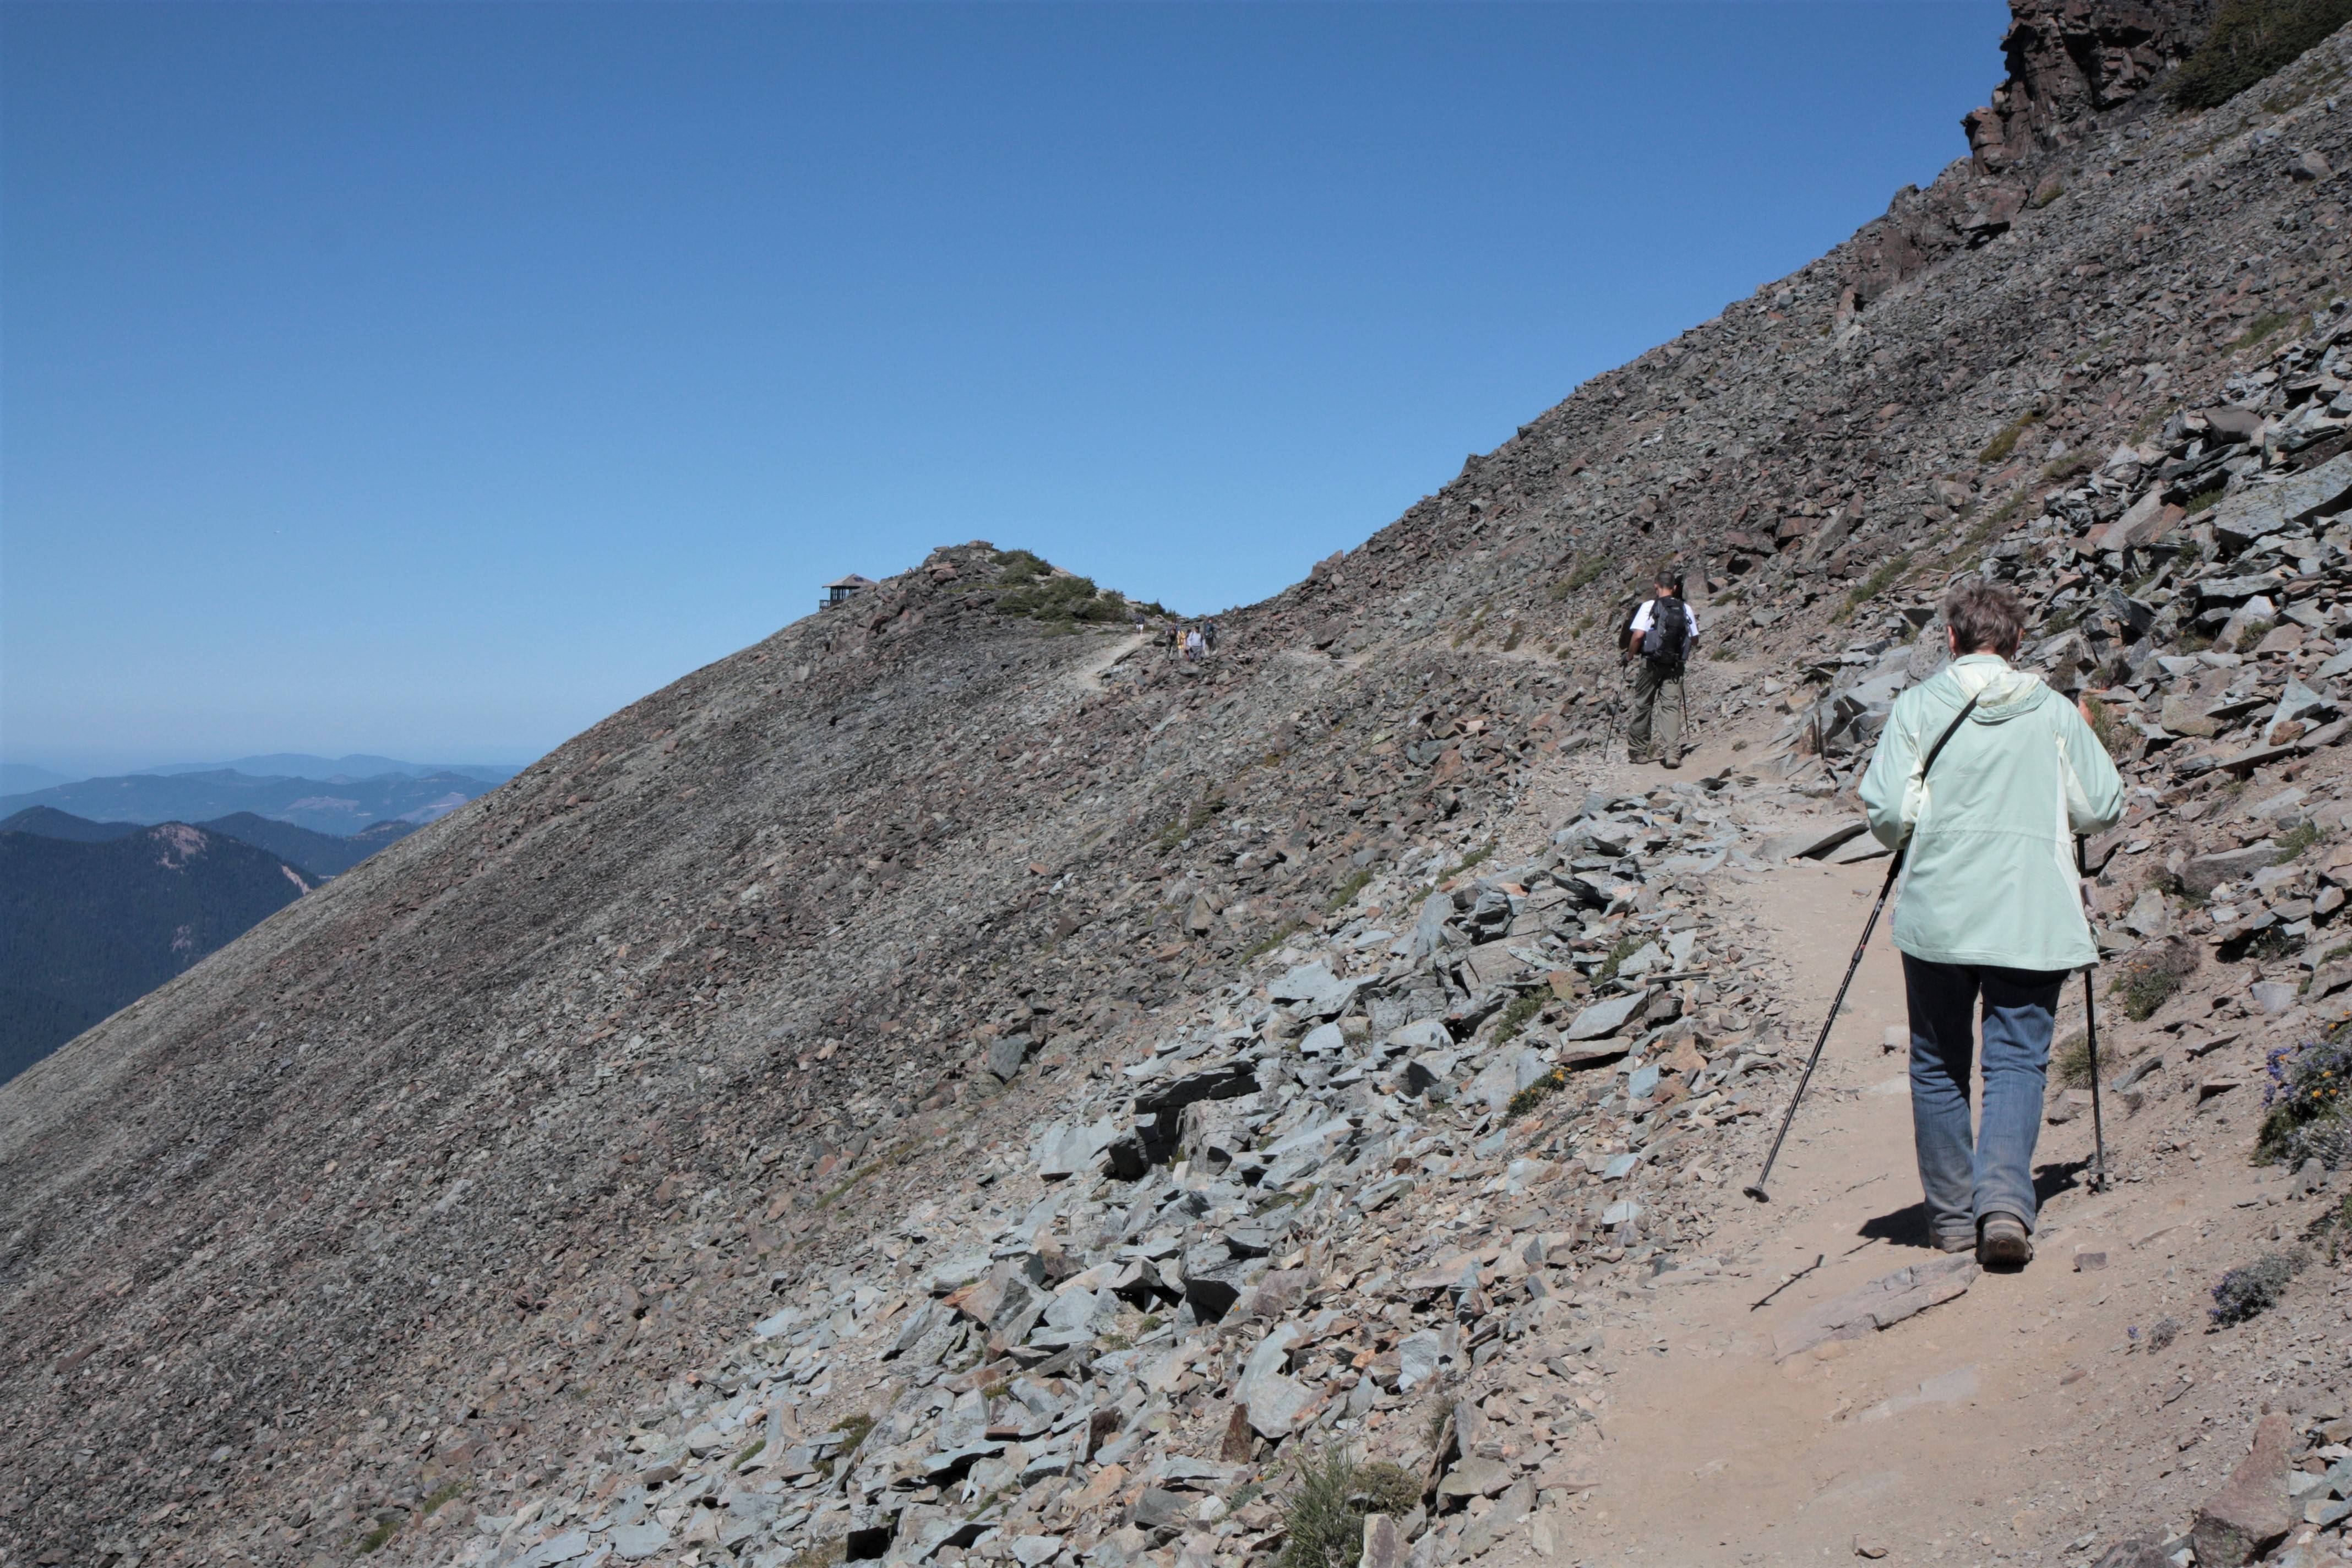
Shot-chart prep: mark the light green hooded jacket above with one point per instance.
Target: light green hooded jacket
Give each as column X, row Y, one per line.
column 1991, row 877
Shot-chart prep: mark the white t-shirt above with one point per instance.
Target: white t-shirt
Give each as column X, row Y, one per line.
column 1641, row 618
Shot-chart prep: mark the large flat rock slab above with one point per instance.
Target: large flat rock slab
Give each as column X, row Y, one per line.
column 1880, row 1304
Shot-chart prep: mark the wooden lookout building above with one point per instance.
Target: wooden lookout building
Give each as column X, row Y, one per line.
column 842, row 589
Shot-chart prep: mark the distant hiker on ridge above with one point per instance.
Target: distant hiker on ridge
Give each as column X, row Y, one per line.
column 1989, row 903
column 1660, row 636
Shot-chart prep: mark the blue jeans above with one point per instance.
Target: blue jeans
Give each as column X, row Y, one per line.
column 1967, row 1176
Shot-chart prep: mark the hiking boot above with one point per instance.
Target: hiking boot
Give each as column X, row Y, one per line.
column 2004, row 1243
column 1954, row 1241
column 1670, row 761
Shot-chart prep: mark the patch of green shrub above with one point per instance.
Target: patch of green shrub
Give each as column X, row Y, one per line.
column 1191, row 822
column 2003, row 443
column 2252, row 39
column 2066, row 468
column 1535, row 1094
column 1345, row 894
column 2072, row 1061
column 849, row 1435
column 1476, row 858
column 2105, row 726
column 1518, row 1015
column 1015, row 567
column 2297, row 839
column 1331, row 1494
column 2146, row 980
column 1627, row 946
column 1587, row 572
column 1034, row 588
column 2200, row 502
column 2261, row 327
column 1064, row 599
column 1267, row 942
column 1869, row 587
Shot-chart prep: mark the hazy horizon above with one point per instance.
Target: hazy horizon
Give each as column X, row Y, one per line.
column 76, row 773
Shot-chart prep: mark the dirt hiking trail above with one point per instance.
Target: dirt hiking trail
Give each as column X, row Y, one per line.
column 2007, row 1423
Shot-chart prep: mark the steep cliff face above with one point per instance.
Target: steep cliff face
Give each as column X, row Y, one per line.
column 2071, row 61
column 2071, row 66
column 489, row 1149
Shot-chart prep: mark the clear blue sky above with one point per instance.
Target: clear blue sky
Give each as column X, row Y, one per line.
column 434, row 379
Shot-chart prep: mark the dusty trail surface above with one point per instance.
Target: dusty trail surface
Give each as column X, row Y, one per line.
column 2005, row 1423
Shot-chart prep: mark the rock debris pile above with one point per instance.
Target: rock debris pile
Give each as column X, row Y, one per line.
column 1368, row 1201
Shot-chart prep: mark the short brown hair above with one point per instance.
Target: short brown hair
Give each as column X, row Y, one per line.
column 1985, row 618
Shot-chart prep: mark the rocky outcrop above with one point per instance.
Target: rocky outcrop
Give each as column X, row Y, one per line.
column 2071, row 61
column 2070, row 65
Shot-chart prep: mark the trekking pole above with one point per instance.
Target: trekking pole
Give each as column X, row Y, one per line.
column 2091, row 1034
column 1894, row 869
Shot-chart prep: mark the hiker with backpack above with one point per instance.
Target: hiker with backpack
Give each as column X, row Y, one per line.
column 1659, row 637
column 1990, row 906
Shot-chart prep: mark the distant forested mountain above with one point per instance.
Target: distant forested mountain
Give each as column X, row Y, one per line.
column 333, row 770
column 88, row 927
column 337, row 806
column 51, row 823
column 327, row 853
column 323, row 854
column 23, row 778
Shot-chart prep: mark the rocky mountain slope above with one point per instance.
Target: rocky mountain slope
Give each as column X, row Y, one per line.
column 949, row 1082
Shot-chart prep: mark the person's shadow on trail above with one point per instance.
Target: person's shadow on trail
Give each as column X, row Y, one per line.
column 1907, row 1226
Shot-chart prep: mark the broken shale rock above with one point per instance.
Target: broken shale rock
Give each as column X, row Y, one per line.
column 2250, row 1514
column 1880, row 1304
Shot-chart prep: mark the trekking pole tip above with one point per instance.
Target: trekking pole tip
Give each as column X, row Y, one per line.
column 1756, row 1190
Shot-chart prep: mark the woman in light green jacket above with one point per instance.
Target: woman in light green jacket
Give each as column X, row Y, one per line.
column 1990, row 906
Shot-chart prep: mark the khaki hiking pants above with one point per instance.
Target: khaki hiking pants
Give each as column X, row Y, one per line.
column 1657, row 718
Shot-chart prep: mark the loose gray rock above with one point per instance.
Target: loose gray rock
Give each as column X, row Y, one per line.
column 1604, row 1018
column 636, row 1543
column 2203, row 873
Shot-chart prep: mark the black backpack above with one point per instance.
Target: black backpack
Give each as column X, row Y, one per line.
column 1669, row 634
